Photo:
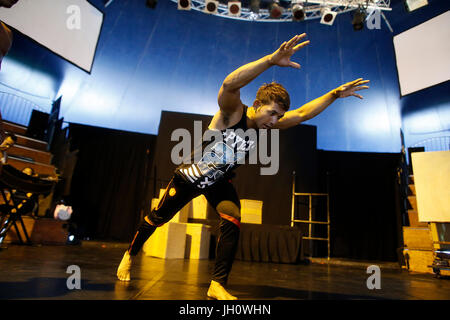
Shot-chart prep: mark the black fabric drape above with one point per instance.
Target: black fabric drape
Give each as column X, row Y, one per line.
column 270, row 243
column 263, row 242
column 110, row 181
column 365, row 214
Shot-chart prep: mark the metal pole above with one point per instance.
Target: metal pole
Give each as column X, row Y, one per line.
column 329, row 223
column 293, row 199
column 310, row 224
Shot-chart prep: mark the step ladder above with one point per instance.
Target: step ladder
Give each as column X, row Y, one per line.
column 310, row 222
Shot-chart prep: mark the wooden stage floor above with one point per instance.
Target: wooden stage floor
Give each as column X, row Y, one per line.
column 40, row 272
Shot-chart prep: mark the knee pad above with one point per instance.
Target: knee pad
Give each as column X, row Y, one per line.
column 228, row 210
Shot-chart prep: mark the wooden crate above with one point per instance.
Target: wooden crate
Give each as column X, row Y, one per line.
column 417, row 238
column 14, row 127
column 413, row 218
column 413, row 202
column 412, row 189
column 31, row 143
column 419, row 260
column 41, row 231
column 39, row 168
column 36, row 155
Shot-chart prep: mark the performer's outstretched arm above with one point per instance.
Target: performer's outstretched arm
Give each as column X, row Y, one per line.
column 316, row 106
column 229, row 95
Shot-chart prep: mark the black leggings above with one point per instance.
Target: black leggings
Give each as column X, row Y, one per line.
column 222, row 196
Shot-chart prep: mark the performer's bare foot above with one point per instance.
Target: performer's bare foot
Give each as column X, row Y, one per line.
column 123, row 272
column 217, row 291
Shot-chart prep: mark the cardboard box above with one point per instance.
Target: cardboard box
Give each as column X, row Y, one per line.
column 167, row 242
column 251, row 211
column 198, row 208
column 198, row 237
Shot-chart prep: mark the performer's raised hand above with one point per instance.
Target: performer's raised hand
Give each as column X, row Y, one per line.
column 349, row 88
column 282, row 57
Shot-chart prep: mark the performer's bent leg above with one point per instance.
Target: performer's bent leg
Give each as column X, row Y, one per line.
column 228, row 240
column 227, row 243
column 223, row 197
column 144, row 232
column 177, row 195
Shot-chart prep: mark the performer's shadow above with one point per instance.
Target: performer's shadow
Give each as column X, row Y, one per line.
column 46, row 288
column 255, row 292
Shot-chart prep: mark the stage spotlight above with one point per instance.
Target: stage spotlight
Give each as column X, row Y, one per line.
column 234, row 8
column 73, row 239
column 254, row 6
column 275, row 10
column 328, row 17
column 211, row 6
column 152, row 4
column 184, row 4
column 298, row 13
column 358, row 19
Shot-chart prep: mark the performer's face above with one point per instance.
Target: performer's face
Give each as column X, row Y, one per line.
column 7, row 3
column 266, row 116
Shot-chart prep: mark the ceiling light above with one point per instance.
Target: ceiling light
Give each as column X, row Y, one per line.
column 328, row 17
column 211, row 6
column 298, row 13
column 184, row 4
column 358, row 19
column 234, row 8
column 275, row 10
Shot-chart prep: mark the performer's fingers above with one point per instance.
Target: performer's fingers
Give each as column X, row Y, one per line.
column 352, row 83
column 361, row 88
column 356, row 81
column 291, row 42
column 361, row 82
column 298, row 38
column 357, row 95
column 294, row 65
column 301, row 45
column 283, row 45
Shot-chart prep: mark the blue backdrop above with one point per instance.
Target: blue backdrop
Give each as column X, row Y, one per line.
column 165, row 59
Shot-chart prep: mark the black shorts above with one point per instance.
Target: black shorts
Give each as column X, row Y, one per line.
column 179, row 192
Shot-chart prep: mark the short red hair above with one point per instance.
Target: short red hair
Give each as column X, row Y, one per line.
column 274, row 92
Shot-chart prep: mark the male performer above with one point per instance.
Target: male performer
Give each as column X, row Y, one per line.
column 210, row 175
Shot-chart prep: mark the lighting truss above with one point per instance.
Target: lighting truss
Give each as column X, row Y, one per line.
column 313, row 9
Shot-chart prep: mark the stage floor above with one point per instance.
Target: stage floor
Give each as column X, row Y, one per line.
column 40, row 272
